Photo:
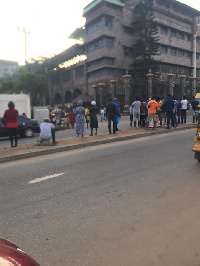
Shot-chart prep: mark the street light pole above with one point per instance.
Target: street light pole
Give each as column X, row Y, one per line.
column 25, row 39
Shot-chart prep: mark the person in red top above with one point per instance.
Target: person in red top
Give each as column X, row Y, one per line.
column 11, row 115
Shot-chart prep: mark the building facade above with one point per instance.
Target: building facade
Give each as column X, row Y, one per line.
column 107, row 46
column 7, row 67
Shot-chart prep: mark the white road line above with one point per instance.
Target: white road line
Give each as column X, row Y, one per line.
column 37, row 180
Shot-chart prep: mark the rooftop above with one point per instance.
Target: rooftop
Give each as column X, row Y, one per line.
column 96, row 2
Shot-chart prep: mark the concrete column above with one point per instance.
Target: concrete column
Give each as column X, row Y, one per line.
column 113, row 88
column 170, row 77
column 194, row 56
column 149, row 82
column 193, row 81
column 95, row 91
column 183, row 80
column 127, row 79
column 101, row 92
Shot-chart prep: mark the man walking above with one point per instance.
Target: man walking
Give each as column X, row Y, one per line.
column 184, row 104
column 111, row 115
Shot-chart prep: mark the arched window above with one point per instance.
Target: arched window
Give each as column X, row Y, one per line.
column 68, row 97
column 57, row 98
column 76, row 93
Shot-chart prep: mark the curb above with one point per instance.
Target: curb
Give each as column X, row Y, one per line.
column 84, row 145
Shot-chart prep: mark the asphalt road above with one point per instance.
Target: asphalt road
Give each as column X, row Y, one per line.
column 129, row 203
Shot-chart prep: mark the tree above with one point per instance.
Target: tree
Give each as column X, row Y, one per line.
column 146, row 45
column 35, row 85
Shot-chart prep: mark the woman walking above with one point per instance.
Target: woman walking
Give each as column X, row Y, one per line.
column 93, row 117
column 79, row 113
column 11, row 115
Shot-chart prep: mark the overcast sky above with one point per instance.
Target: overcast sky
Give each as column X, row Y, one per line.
column 49, row 22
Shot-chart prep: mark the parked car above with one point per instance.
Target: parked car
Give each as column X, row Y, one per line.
column 12, row 255
column 26, row 127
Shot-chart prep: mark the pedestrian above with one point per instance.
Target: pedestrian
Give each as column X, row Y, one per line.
column 143, row 113
column 136, row 112
column 158, row 112
column 93, row 117
column 47, row 131
column 50, row 116
column 102, row 114
column 105, row 114
column 131, row 115
column 184, row 104
column 87, row 116
column 11, row 115
column 194, row 112
column 79, row 115
column 175, row 112
column 72, row 120
column 169, row 104
column 179, row 105
column 152, row 104
column 111, row 115
column 163, row 113
column 61, row 115
column 117, row 113
column 67, row 118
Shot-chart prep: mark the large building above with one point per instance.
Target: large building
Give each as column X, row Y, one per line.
column 106, row 52
column 7, row 67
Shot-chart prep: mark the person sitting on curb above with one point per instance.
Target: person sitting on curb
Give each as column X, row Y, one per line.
column 47, row 131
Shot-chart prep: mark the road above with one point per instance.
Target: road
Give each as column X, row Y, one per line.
column 130, row 203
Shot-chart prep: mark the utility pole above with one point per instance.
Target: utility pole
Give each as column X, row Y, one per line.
column 25, row 38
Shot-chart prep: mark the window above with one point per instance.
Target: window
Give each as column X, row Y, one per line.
column 109, row 42
column 164, row 30
column 95, row 45
column 198, row 40
column 181, row 53
column 189, row 54
column 67, row 76
column 108, row 22
column 181, row 35
column 198, row 56
column 79, row 72
column 188, row 37
column 164, row 49
column 173, row 51
column 128, row 51
column 109, row 61
column 110, row 71
column 128, row 30
column 173, row 33
column 94, row 26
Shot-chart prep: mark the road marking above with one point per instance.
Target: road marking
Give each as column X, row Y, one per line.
column 37, row 180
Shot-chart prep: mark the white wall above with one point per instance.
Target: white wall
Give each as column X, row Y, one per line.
column 21, row 101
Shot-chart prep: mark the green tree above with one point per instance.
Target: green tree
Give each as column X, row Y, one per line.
column 35, row 85
column 146, row 44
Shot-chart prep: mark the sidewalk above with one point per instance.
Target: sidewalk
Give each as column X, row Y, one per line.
column 31, row 150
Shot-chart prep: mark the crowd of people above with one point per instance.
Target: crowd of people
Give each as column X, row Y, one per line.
column 156, row 111
column 145, row 114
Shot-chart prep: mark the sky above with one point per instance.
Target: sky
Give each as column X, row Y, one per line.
column 48, row 22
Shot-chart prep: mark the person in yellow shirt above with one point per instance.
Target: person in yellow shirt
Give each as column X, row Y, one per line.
column 87, row 116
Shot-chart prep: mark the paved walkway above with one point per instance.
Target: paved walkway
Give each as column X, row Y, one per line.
column 31, row 150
